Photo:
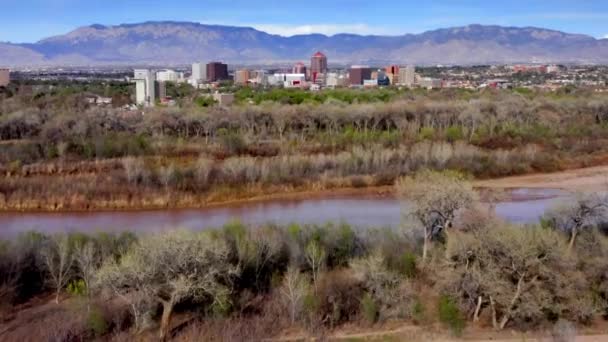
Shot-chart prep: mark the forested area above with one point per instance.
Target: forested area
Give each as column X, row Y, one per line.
column 330, row 139
column 452, row 264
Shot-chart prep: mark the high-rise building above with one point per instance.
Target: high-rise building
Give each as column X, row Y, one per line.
column 359, row 73
column 5, row 77
column 145, row 87
column 318, row 65
column 199, row 73
column 392, row 72
column 217, row 71
column 299, row 68
column 407, row 76
column 242, row 76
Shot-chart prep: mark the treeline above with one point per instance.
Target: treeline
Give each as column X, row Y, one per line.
column 452, row 262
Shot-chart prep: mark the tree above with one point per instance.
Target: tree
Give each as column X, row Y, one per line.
column 434, row 198
column 294, row 289
column 315, row 257
column 171, row 267
column 87, row 258
column 587, row 211
column 58, row 259
column 518, row 274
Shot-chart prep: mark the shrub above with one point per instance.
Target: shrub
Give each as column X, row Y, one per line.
column 453, row 133
column 369, row 308
column 408, row 265
column 96, row 322
column 418, row 312
column 77, row 288
column 450, row 316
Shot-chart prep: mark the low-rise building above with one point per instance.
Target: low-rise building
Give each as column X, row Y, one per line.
column 430, row 83
column 288, row 80
column 223, row 99
column 169, row 76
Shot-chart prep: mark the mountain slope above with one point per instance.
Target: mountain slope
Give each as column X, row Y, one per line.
column 183, row 42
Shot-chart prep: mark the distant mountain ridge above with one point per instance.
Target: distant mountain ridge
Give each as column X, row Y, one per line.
column 169, row 42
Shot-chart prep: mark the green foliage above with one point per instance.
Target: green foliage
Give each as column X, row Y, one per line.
column 205, row 101
column 97, row 323
column 77, row 288
column 426, row 133
column 418, row 311
column 453, row 133
column 450, row 315
column 369, row 308
column 408, row 265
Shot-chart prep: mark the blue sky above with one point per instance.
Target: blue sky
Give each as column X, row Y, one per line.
column 31, row 20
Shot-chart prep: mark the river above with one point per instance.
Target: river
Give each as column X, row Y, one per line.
column 523, row 206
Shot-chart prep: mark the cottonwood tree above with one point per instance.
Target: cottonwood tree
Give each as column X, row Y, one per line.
column 58, row 259
column 293, row 290
column 433, row 200
column 87, row 257
column 587, row 211
column 315, row 256
column 172, row 267
column 518, row 274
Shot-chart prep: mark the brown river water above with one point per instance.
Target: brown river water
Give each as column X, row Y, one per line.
column 523, row 206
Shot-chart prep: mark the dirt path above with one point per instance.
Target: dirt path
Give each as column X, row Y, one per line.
column 587, row 179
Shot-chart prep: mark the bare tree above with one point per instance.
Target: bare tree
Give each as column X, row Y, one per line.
column 172, row 267
column 294, row 289
column 315, row 257
column 518, row 274
column 58, row 259
column 587, row 211
column 87, row 258
column 433, row 199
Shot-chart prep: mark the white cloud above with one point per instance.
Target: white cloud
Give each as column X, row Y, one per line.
column 327, row 29
column 606, row 36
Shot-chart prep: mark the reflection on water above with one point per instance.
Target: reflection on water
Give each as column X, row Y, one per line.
column 524, row 206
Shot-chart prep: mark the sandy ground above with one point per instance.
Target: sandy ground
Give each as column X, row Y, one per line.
column 587, row 179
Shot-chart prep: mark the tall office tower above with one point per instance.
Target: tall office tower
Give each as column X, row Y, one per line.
column 407, row 76
column 299, row 68
column 392, row 72
column 217, row 71
column 318, row 66
column 5, row 77
column 359, row 73
column 199, row 72
column 145, row 80
column 242, row 76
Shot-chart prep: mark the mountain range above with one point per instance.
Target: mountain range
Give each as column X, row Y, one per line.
column 176, row 43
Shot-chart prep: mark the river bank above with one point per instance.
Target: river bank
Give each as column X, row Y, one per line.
column 79, row 199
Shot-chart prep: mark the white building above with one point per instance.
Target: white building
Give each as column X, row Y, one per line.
column 407, row 76
column 199, row 73
column 337, row 80
column 169, row 76
column 145, row 84
column 287, row 80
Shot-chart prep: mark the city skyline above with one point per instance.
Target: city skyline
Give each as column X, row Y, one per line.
column 32, row 20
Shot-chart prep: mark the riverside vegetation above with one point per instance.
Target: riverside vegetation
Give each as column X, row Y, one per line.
column 57, row 152
column 452, row 264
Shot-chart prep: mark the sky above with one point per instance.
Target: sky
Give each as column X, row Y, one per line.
column 31, row 20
